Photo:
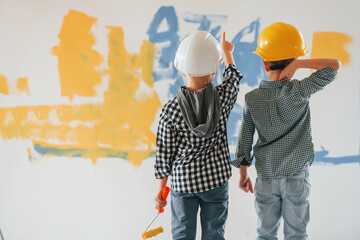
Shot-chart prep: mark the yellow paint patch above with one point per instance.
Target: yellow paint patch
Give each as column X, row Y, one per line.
column 120, row 126
column 4, row 88
column 147, row 59
column 331, row 45
column 133, row 116
column 22, row 85
column 77, row 61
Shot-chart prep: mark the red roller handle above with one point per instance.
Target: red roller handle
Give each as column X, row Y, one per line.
column 164, row 194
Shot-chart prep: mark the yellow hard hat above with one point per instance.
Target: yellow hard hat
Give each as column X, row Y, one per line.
column 280, row 41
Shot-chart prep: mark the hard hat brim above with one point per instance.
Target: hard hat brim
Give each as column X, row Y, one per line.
column 268, row 58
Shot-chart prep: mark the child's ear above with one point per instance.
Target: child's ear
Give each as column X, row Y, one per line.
column 266, row 66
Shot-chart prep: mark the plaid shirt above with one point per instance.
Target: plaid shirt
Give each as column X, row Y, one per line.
column 196, row 164
column 280, row 113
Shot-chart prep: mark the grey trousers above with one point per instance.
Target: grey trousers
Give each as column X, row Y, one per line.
column 213, row 206
column 287, row 198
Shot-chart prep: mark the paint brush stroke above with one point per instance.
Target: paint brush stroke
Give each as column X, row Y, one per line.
column 331, row 45
column 321, row 157
column 4, row 87
column 77, row 61
column 135, row 107
column 118, row 127
column 22, row 86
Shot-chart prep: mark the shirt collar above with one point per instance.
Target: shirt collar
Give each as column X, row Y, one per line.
column 273, row 84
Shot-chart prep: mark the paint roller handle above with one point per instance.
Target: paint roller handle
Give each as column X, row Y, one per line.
column 164, row 194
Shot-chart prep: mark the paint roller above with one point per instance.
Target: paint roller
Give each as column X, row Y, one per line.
column 152, row 233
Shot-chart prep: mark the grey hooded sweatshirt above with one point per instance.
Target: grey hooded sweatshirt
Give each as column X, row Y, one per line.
column 201, row 109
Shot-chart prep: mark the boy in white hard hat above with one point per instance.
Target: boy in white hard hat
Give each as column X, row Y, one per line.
column 192, row 140
column 279, row 111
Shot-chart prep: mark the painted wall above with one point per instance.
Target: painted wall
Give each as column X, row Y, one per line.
column 81, row 87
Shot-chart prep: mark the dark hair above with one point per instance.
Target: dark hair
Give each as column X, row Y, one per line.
column 276, row 65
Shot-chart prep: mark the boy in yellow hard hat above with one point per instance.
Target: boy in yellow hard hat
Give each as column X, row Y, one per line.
column 191, row 140
column 279, row 111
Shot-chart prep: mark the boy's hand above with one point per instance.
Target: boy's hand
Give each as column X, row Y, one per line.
column 227, row 48
column 159, row 202
column 245, row 184
column 289, row 71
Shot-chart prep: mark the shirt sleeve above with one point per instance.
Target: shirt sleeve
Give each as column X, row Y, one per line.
column 165, row 147
column 229, row 88
column 316, row 82
column 245, row 140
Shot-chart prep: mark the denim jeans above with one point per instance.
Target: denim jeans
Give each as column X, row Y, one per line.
column 288, row 198
column 213, row 213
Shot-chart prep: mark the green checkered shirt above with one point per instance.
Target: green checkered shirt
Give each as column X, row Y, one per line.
column 280, row 113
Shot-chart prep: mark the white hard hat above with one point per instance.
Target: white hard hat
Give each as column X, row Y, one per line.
column 199, row 54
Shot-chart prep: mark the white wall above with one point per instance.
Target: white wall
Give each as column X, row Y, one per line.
column 57, row 197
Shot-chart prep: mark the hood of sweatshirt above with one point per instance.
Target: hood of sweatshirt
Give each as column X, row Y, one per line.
column 201, row 109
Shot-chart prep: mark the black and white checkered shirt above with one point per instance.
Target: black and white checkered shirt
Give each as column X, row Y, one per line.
column 280, row 113
column 196, row 164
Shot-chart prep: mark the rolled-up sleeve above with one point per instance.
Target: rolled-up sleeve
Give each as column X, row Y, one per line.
column 245, row 140
column 316, row 82
column 165, row 147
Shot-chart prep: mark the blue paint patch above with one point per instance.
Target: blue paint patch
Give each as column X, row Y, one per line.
column 81, row 152
column 207, row 22
column 166, row 53
column 234, row 117
column 321, row 157
column 74, row 152
column 39, row 149
column 249, row 64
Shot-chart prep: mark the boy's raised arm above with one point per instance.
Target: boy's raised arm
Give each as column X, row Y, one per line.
column 316, row 63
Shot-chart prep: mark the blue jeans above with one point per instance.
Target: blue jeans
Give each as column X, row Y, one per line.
column 288, row 198
column 213, row 213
